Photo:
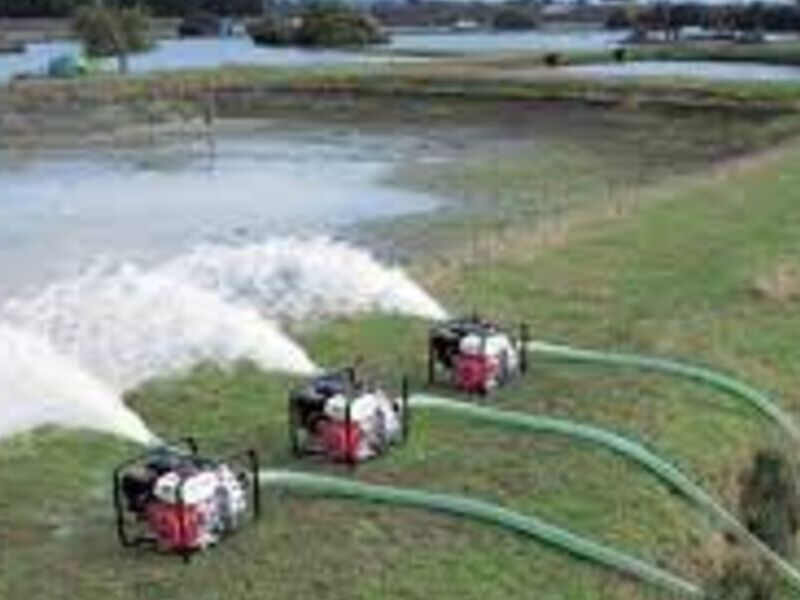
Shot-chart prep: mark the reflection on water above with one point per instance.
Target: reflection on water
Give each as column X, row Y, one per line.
column 728, row 71
column 61, row 213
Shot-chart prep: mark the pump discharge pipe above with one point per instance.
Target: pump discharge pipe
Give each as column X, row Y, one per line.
column 630, row 449
column 719, row 381
column 532, row 527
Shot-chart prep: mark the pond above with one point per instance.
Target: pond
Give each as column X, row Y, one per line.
column 61, row 212
column 727, row 71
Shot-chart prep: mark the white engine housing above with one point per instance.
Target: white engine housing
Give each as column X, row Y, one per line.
column 494, row 346
column 378, row 417
column 217, row 494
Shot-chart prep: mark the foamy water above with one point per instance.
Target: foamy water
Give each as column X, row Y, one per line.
column 78, row 344
column 39, row 387
column 130, row 325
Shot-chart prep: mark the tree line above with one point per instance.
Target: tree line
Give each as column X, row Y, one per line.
column 673, row 17
column 318, row 25
column 158, row 8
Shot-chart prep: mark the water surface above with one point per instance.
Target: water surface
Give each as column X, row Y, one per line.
column 722, row 71
column 60, row 213
column 170, row 55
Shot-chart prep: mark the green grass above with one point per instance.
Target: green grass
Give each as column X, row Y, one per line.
column 493, row 78
column 567, row 164
column 673, row 274
column 773, row 53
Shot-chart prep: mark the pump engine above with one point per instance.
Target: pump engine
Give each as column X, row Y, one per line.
column 340, row 417
column 478, row 355
column 177, row 501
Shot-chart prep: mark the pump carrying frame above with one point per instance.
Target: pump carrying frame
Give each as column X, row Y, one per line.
column 188, row 447
column 300, row 449
column 521, row 343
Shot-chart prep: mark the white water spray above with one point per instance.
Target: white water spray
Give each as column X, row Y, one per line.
column 127, row 326
column 302, row 278
column 38, row 387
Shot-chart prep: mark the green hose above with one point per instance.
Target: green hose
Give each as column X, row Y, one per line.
column 332, row 487
column 719, row 381
column 618, row 444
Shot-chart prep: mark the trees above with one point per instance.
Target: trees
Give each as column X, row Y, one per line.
column 200, row 24
column 657, row 17
column 514, row 19
column 621, row 17
column 319, row 25
column 669, row 18
column 331, row 25
column 111, row 31
column 271, row 30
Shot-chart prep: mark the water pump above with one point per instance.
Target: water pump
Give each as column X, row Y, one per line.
column 344, row 419
column 174, row 500
column 478, row 355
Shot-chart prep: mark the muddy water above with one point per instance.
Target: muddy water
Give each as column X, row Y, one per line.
column 62, row 212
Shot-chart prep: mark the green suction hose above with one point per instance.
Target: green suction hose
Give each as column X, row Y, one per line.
column 666, row 472
column 719, row 381
column 332, row 487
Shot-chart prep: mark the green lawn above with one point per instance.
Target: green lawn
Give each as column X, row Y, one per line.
column 691, row 267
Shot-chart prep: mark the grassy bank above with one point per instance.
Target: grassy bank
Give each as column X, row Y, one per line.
column 702, row 265
column 772, row 53
column 464, row 79
column 140, row 110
